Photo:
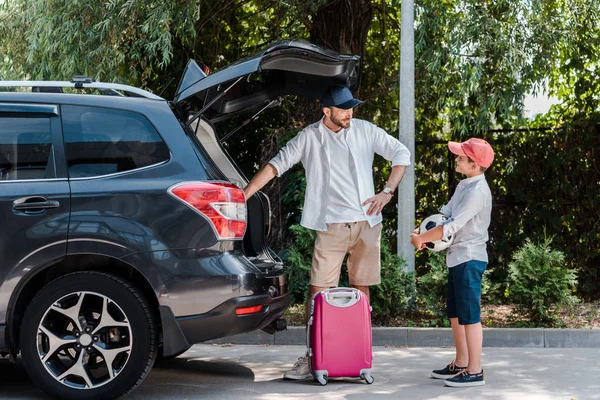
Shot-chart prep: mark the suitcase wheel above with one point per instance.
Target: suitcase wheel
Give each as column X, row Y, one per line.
column 322, row 380
column 368, row 378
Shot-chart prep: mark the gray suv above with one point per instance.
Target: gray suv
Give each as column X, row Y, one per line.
column 125, row 232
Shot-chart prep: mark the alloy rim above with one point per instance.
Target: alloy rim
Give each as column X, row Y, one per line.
column 84, row 340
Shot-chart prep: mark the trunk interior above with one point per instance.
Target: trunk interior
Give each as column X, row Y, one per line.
column 286, row 67
column 254, row 245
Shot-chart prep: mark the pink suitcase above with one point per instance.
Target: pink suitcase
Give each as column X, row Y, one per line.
column 339, row 335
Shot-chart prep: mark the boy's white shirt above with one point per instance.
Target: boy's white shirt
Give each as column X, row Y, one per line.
column 312, row 149
column 469, row 212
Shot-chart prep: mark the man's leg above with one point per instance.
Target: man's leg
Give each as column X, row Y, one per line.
column 364, row 289
column 329, row 252
column 364, row 262
column 312, row 290
column 330, row 249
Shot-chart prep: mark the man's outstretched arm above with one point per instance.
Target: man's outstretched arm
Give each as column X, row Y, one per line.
column 259, row 180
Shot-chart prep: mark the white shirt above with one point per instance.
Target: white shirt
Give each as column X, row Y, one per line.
column 344, row 202
column 470, row 211
column 312, row 149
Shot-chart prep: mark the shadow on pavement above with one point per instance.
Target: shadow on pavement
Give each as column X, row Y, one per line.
column 179, row 373
column 15, row 383
column 215, row 370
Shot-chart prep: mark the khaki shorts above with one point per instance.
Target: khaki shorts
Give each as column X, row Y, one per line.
column 360, row 241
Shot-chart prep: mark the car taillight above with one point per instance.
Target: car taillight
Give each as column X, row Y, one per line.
column 223, row 204
column 248, row 310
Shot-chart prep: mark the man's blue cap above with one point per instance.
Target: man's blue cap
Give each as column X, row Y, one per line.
column 340, row 97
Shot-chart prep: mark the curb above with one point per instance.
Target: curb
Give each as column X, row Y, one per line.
column 438, row 337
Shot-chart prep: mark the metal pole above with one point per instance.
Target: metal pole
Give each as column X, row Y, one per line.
column 406, row 192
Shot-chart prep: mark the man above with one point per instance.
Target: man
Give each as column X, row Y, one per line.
column 340, row 201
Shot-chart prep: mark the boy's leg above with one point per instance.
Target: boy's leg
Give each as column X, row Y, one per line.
column 468, row 303
column 460, row 342
column 474, row 339
column 461, row 358
column 458, row 331
column 469, row 293
column 364, row 261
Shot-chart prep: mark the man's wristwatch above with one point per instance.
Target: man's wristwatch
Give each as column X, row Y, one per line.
column 388, row 190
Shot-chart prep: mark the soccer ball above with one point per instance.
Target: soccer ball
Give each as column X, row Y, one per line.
column 431, row 222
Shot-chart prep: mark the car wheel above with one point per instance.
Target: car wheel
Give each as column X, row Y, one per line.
column 88, row 335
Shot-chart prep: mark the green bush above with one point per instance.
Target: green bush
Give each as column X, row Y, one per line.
column 297, row 260
column 389, row 299
column 432, row 286
column 396, row 292
column 492, row 292
column 540, row 282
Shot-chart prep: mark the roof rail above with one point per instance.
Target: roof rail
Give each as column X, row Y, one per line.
column 80, row 82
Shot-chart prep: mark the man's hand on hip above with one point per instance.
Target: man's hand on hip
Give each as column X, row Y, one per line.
column 378, row 202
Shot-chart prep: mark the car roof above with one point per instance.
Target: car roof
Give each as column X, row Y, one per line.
column 82, row 82
column 139, row 104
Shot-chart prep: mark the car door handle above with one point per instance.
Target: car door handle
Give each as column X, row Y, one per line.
column 34, row 203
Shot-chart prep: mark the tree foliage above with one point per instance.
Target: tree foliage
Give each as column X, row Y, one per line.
column 474, row 62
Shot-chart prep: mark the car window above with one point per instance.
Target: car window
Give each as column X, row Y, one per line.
column 101, row 141
column 25, row 148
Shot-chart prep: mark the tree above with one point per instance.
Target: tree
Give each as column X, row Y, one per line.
column 475, row 61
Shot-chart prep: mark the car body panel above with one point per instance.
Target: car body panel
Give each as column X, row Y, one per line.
column 30, row 238
column 286, row 67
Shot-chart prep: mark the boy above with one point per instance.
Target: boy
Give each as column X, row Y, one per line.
column 469, row 213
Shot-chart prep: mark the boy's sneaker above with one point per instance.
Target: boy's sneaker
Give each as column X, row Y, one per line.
column 465, row 379
column 448, row 372
column 299, row 371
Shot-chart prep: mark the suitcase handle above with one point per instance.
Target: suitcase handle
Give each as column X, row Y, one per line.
column 342, row 297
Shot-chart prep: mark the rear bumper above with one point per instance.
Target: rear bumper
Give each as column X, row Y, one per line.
column 180, row 333
column 222, row 321
column 199, row 291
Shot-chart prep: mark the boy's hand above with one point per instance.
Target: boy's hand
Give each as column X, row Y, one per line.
column 378, row 202
column 416, row 241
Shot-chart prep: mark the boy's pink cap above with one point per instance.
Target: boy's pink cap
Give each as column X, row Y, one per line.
column 476, row 149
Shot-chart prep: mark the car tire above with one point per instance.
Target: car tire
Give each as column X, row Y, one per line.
column 115, row 332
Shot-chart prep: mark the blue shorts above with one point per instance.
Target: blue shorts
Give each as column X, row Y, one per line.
column 464, row 291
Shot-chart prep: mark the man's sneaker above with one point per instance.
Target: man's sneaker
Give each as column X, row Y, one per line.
column 448, row 372
column 299, row 371
column 465, row 379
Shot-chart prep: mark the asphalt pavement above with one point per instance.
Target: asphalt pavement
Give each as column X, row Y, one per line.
column 221, row 371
